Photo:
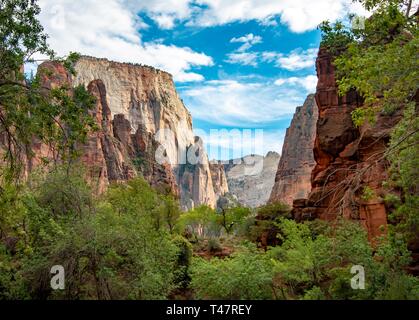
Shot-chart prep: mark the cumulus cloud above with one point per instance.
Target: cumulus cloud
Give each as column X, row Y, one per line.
column 243, row 58
column 298, row 15
column 309, row 83
column 296, row 60
column 165, row 13
column 110, row 29
column 248, row 41
column 244, row 104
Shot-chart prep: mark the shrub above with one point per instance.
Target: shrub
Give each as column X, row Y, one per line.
column 114, row 250
column 265, row 229
column 247, row 274
column 183, row 262
column 200, row 222
column 214, row 245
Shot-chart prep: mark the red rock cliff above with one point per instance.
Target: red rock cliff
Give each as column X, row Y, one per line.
column 139, row 115
column 348, row 159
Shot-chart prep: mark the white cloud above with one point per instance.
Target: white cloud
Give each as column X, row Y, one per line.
column 244, row 104
column 164, row 12
column 248, row 38
column 248, row 41
column 309, row 83
column 164, row 21
column 299, row 15
column 110, row 29
column 243, row 58
column 296, row 60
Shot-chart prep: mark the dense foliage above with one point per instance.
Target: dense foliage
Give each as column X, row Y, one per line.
column 403, row 186
column 313, row 262
column 247, row 274
column 115, row 247
column 30, row 111
column 381, row 62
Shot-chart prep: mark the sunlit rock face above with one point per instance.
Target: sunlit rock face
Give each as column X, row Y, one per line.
column 250, row 180
column 293, row 178
column 144, row 129
column 219, row 179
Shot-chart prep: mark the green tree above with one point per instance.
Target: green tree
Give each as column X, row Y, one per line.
column 232, row 218
column 381, row 63
column 28, row 110
column 247, row 274
column 265, row 228
column 170, row 211
column 314, row 262
column 110, row 249
column 404, row 176
column 199, row 223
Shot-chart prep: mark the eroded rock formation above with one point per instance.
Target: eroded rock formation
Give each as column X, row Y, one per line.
column 251, row 179
column 293, row 178
column 144, row 128
column 219, row 179
column 348, row 159
column 195, row 178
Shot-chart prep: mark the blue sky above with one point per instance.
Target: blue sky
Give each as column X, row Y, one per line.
column 246, row 75
column 237, row 64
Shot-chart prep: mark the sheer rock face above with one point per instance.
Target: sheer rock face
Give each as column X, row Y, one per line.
column 196, row 187
column 293, row 178
column 144, row 128
column 219, row 179
column 95, row 151
column 348, row 159
column 251, row 179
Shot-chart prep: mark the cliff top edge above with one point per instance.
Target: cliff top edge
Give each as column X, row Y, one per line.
column 132, row 64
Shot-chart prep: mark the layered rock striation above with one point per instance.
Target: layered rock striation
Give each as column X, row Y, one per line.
column 349, row 160
column 293, row 178
column 144, row 129
column 250, row 180
column 219, row 179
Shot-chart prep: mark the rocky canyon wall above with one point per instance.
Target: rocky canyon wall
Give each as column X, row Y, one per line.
column 250, row 180
column 293, row 178
column 219, row 179
column 141, row 119
column 348, row 159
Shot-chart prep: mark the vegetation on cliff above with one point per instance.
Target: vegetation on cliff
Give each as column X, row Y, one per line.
column 29, row 111
column 381, row 62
